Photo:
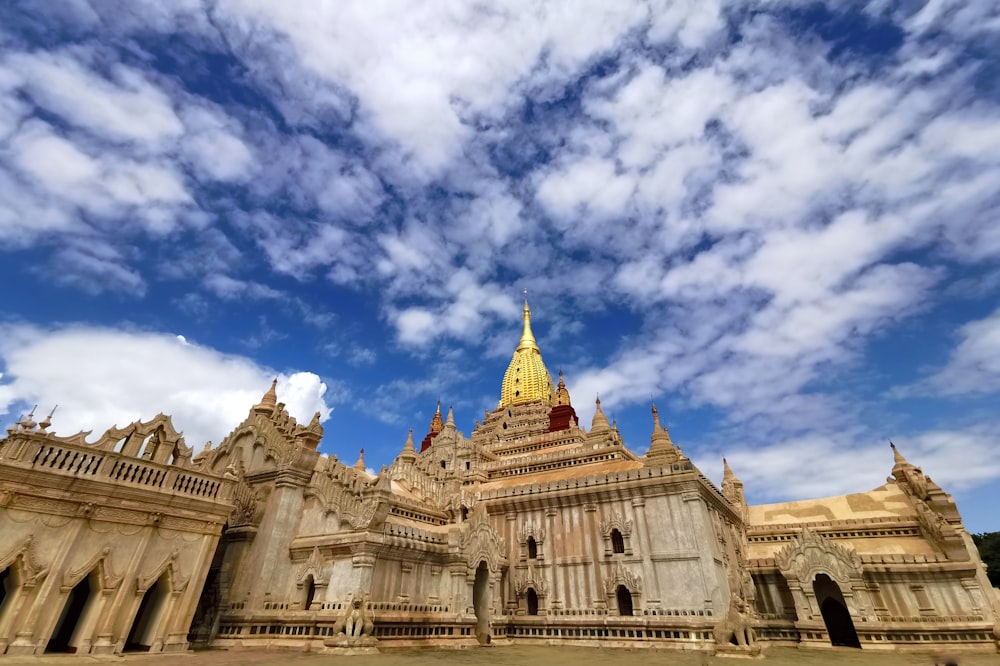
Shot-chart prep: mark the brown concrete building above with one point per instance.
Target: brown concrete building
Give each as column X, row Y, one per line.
column 531, row 528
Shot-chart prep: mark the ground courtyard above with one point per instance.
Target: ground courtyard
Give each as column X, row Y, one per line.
column 523, row 655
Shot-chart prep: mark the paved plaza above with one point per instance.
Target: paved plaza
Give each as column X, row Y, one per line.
column 524, row 655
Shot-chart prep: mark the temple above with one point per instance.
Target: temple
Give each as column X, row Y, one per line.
column 532, row 527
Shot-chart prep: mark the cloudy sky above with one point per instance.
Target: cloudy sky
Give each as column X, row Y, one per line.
column 776, row 220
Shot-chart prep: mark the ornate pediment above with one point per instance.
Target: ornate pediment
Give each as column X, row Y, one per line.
column 22, row 558
column 175, row 582
column 100, row 563
column 481, row 543
column 530, row 530
column 620, row 575
column 616, row 521
column 523, row 583
column 314, row 566
column 810, row 554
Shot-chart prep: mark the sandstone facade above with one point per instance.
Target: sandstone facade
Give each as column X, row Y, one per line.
column 531, row 528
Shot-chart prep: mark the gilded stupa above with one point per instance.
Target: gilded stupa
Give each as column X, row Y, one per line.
column 527, row 379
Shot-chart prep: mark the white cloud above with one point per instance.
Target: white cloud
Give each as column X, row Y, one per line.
column 974, row 365
column 229, row 288
column 101, row 377
column 124, row 107
column 835, row 464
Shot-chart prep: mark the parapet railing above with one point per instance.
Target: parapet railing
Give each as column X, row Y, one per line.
column 83, row 462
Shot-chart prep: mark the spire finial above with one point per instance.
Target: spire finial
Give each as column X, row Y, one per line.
column 527, row 337
column 451, row 417
column 727, row 471
column 360, row 465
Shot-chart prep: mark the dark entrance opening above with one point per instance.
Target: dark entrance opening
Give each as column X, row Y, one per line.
column 6, row 588
column 837, row 618
column 310, row 592
column 481, row 603
column 70, row 617
column 532, row 601
column 143, row 631
column 617, row 542
column 624, row 600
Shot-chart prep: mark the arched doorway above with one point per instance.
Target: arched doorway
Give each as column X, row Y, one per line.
column 624, row 600
column 143, row 632
column 74, row 610
column 481, row 603
column 532, row 598
column 837, row 618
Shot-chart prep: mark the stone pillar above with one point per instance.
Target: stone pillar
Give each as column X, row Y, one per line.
column 703, row 534
column 461, row 591
column 597, row 552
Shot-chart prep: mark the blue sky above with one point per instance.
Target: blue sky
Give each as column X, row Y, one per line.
column 777, row 220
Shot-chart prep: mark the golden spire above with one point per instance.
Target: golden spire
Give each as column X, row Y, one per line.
column 527, row 337
column 527, row 379
column 437, row 425
column 562, row 395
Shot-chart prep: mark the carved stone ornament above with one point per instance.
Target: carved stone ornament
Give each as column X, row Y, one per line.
column 811, row 554
column 245, row 502
column 22, row 558
column 314, row 566
column 176, row 582
column 101, row 561
column 522, row 584
column 530, row 530
column 481, row 543
column 622, row 576
column 616, row 521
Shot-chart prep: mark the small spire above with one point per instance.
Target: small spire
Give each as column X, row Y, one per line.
column 360, row 465
column 897, row 456
column 600, row 422
column 409, row 451
column 527, row 337
column 562, row 395
column 659, row 441
column 727, row 471
column 451, row 417
column 270, row 399
column 732, row 488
